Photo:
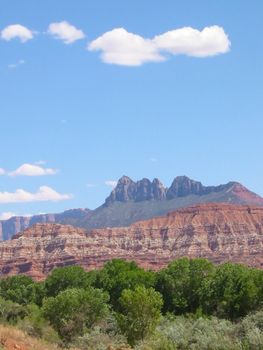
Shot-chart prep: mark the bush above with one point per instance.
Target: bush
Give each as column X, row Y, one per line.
column 19, row 289
column 140, row 312
column 74, row 309
column 11, row 312
column 251, row 331
column 36, row 326
column 184, row 333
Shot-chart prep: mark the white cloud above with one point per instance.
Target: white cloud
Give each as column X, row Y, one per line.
column 17, row 64
column 2, row 171
column 32, row 170
column 6, row 215
column 17, row 31
column 192, row 42
column 44, row 194
column 65, row 32
column 111, row 183
column 123, row 48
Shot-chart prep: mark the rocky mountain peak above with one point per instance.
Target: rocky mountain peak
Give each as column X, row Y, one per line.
column 142, row 190
column 184, row 186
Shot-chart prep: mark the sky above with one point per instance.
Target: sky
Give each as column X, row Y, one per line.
column 93, row 90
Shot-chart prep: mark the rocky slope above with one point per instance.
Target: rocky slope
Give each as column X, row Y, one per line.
column 132, row 201
column 219, row 232
column 19, row 223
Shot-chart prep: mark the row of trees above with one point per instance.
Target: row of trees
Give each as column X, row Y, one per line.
column 73, row 300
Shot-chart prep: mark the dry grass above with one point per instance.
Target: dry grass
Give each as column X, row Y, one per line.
column 14, row 339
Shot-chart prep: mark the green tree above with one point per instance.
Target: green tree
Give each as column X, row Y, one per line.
column 118, row 275
column 66, row 277
column 74, row 309
column 233, row 292
column 11, row 312
column 19, row 289
column 140, row 312
column 182, row 284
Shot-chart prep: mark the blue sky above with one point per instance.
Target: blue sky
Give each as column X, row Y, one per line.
column 90, row 121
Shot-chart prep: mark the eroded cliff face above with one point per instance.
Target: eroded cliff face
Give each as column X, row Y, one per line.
column 219, row 232
column 131, row 201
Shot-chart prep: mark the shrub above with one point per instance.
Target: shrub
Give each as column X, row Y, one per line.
column 182, row 333
column 140, row 312
column 74, row 309
column 11, row 312
column 19, row 289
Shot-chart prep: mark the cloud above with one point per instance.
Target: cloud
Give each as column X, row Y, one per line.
column 44, row 194
column 111, row 183
column 6, row 215
column 2, row 171
column 192, row 42
column 66, row 32
column 32, row 170
column 123, row 48
column 17, row 64
column 17, row 31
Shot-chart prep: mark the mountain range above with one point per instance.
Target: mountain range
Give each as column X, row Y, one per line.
column 132, row 201
column 218, row 232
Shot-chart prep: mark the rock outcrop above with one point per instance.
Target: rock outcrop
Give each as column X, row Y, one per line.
column 143, row 190
column 132, row 201
column 16, row 224
column 219, row 232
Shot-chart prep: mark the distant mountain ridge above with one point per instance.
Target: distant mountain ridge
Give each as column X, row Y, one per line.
column 182, row 186
column 19, row 223
column 131, row 201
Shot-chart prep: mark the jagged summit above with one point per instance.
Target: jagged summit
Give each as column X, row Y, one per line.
column 182, row 186
column 143, row 190
column 131, row 201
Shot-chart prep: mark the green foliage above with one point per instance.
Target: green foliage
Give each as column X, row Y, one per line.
column 182, row 333
column 66, row 277
column 183, row 284
column 74, row 309
column 118, row 275
column 19, row 289
column 35, row 325
column 74, row 305
column 232, row 291
column 11, row 312
column 140, row 312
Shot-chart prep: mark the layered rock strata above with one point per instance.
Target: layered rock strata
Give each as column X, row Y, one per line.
column 218, row 232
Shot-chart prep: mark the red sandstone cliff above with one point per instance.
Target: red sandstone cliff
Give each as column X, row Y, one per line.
column 219, row 232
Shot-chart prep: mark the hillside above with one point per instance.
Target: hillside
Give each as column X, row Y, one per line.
column 133, row 201
column 218, row 232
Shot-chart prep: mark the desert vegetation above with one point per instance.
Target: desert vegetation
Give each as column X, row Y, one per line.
column 191, row 304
